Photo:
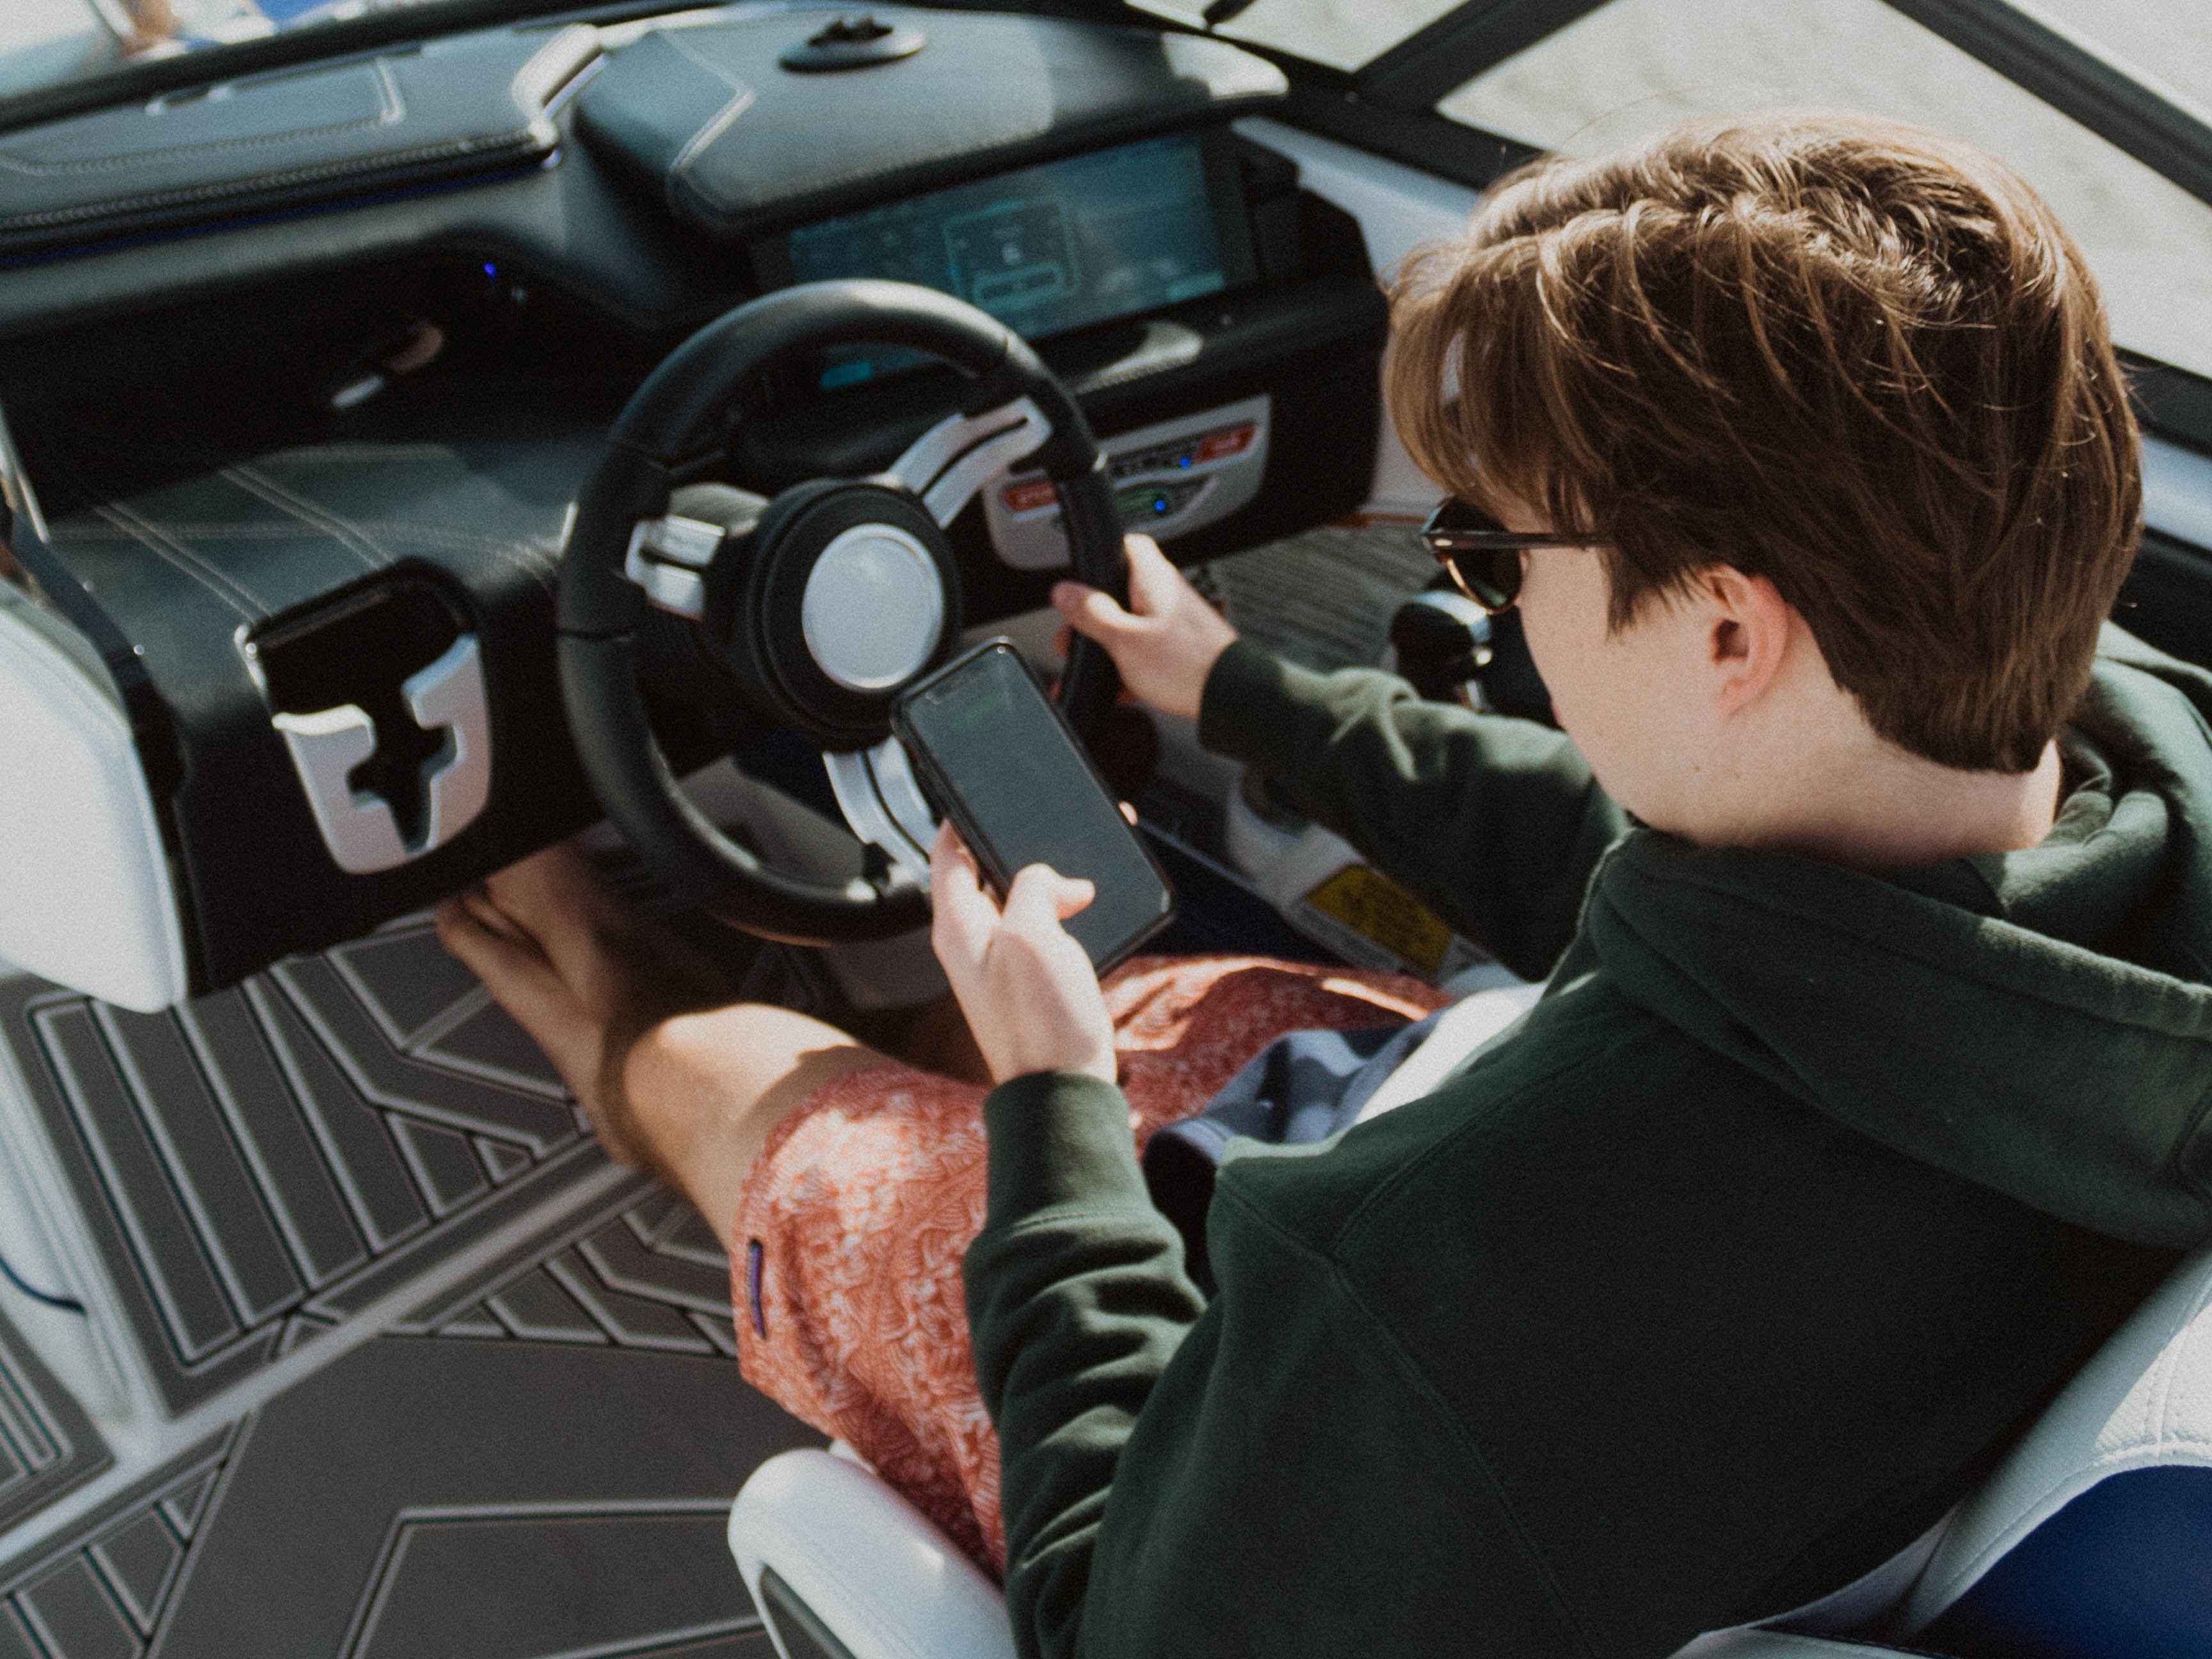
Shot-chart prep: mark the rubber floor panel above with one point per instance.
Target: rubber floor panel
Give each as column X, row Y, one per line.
column 500, row 1487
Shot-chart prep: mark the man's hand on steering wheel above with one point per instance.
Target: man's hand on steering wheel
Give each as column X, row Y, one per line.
column 1167, row 640
column 1030, row 994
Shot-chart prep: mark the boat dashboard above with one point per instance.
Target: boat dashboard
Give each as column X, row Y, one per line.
column 304, row 370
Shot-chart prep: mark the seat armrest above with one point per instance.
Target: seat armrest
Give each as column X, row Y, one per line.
column 842, row 1567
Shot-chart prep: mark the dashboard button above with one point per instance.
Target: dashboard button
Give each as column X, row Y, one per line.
column 1151, row 501
column 1029, row 495
column 1231, row 440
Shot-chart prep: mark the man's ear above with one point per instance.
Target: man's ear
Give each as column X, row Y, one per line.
column 1748, row 625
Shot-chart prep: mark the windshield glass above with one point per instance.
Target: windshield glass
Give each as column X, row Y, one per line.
column 50, row 43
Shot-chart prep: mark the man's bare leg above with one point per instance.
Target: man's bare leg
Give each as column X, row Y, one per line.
column 676, row 1076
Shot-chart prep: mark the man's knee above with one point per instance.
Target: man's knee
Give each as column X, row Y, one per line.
column 713, row 1086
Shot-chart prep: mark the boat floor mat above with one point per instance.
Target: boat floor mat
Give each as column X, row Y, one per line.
column 261, row 1165
column 538, row 1466
column 48, row 1447
column 432, row 1378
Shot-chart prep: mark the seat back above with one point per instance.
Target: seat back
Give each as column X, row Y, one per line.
column 2093, row 1538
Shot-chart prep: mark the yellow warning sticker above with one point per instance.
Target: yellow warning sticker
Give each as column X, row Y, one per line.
column 1381, row 912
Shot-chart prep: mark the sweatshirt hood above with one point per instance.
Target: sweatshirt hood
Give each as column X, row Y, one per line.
column 2040, row 1022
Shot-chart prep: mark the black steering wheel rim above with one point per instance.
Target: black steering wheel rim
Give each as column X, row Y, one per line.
column 677, row 417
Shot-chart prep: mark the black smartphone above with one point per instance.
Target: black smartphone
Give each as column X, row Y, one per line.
column 999, row 760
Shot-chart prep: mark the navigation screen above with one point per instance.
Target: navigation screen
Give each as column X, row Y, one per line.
column 1044, row 250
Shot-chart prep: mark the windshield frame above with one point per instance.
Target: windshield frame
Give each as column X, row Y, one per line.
column 2075, row 75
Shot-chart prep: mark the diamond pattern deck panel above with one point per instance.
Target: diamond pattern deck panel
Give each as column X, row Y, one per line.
column 47, row 1446
column 105, row 1588
column 643, row 1271
column 534, row 1462
column 292, row 1148
column 428, row 1500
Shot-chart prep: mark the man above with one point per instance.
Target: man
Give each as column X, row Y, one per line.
column 1868, row 1091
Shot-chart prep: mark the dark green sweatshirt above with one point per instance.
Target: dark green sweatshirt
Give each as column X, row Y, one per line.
column 1795, row 1197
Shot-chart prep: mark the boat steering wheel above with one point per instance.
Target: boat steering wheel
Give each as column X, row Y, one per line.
column 841, row 593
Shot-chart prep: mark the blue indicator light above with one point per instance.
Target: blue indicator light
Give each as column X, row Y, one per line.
column 1183, row 460
column 491, row 271
column 1159, row 504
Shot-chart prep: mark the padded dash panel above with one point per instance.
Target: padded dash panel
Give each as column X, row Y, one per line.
column 289, row 139
column 736, row 143
column 186, row 551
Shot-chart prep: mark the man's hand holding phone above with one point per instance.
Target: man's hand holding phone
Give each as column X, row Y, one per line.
column 1167, row 640
column 1024, row 983
column 1026, row 987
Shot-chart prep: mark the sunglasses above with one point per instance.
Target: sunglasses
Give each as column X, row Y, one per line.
column 1481, row 556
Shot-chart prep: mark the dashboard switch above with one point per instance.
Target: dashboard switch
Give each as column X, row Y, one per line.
column 1234, row 440
column 1147, row 502
column 1169, row 478
column 1031, row 495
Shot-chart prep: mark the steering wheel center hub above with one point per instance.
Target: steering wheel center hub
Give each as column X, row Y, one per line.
column 844, row 592
column 873, row 611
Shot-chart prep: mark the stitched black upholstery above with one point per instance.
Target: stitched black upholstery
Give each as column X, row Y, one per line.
column 466, row 107
column 184, row 570
column 735, row 143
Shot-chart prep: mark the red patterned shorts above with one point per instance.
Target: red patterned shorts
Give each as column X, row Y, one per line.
column 868, row 1196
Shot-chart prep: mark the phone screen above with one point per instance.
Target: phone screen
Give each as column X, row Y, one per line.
column 1020, row 792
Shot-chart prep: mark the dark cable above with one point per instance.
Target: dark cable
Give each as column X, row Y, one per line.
column 52, row 1298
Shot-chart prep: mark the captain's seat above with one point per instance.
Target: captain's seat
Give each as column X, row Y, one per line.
column 2093, row 1540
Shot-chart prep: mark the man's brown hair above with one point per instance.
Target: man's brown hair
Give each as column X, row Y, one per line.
column 1859, row 359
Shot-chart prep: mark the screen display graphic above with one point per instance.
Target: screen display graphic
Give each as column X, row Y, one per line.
column 1044, row 250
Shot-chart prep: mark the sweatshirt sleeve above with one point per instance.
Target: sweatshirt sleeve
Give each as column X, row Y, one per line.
column 1265, row 1473
column 1496, row 822
column 1077, row 1299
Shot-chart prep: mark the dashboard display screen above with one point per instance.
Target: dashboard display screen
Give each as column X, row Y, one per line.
column 1048, row 248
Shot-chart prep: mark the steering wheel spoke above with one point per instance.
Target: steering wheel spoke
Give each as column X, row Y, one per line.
column 668, row 559
column 948, row 463
column 881, row 801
